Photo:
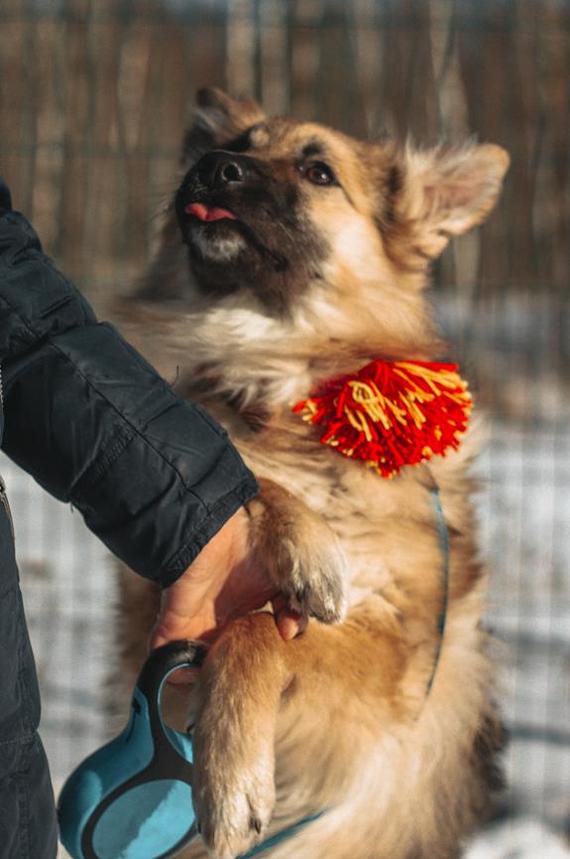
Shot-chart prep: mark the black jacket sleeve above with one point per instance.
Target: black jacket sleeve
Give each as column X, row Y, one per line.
column 154, row 477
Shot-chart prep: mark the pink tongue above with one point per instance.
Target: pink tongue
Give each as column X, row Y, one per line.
column 208, row 213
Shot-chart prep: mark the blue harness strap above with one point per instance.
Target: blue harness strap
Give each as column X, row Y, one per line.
column 443, row 539
column 281, row 836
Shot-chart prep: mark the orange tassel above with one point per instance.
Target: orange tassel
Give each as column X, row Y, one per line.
column 391, row 413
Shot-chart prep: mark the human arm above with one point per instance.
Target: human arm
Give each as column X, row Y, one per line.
column 155, row 477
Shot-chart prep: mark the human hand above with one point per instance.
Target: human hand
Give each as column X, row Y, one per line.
column 225, row 581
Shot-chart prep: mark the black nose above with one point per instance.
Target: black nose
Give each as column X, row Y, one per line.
column 217, row 169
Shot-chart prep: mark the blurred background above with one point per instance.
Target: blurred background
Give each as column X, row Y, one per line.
column 94, row 97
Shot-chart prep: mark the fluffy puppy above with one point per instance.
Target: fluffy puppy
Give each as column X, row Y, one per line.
column 292, row 254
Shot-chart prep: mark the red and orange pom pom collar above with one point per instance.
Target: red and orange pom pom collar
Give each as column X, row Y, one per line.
column 391, row 413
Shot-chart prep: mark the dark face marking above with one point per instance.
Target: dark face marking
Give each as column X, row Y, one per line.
column 313, row 149
column 250, row 229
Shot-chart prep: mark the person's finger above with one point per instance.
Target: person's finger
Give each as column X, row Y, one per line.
column 290, row 623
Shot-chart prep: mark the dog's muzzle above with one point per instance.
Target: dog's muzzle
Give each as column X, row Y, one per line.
column 212, row 184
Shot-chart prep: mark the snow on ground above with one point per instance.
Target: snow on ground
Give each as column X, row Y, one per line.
column 519, row 839
column 69, row 592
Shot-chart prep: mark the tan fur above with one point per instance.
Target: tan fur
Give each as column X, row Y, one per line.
column 339, row 718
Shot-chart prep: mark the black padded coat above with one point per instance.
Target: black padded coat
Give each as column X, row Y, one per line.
column 153, row 476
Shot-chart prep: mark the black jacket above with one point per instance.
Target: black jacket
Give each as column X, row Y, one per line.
column 154, row 476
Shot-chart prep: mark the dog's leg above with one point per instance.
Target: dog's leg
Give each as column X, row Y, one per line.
column 255, row 687
column 240, row 687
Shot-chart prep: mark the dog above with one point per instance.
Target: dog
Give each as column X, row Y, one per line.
column 293, row 254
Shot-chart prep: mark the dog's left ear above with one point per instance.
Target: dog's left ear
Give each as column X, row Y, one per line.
column 445, row 192
column 218, row 119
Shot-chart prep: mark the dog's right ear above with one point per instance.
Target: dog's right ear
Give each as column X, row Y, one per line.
column 446, row 191
column 218, row 119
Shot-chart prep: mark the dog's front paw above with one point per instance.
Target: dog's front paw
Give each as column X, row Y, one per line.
column 233, row 804
column 312, row 574
column 301, row 552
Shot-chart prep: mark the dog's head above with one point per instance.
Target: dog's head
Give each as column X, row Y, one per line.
column 310, row 229
column 272, row 205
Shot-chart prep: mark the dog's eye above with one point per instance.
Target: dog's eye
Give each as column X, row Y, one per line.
column 319, row 173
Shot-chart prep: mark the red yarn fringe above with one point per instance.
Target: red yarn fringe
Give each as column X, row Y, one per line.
column 391, row 413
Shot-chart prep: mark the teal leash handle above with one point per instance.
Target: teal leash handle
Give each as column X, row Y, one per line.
column 132, row 799
column 172, row 756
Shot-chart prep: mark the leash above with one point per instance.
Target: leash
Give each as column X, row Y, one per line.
column 283, row 835
column 443, row 540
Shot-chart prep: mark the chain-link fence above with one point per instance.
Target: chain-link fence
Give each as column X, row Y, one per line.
column 94, row 95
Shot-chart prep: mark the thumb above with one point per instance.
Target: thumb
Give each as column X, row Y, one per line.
column 169, row 626
column 185, row 612
column 182, row 614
